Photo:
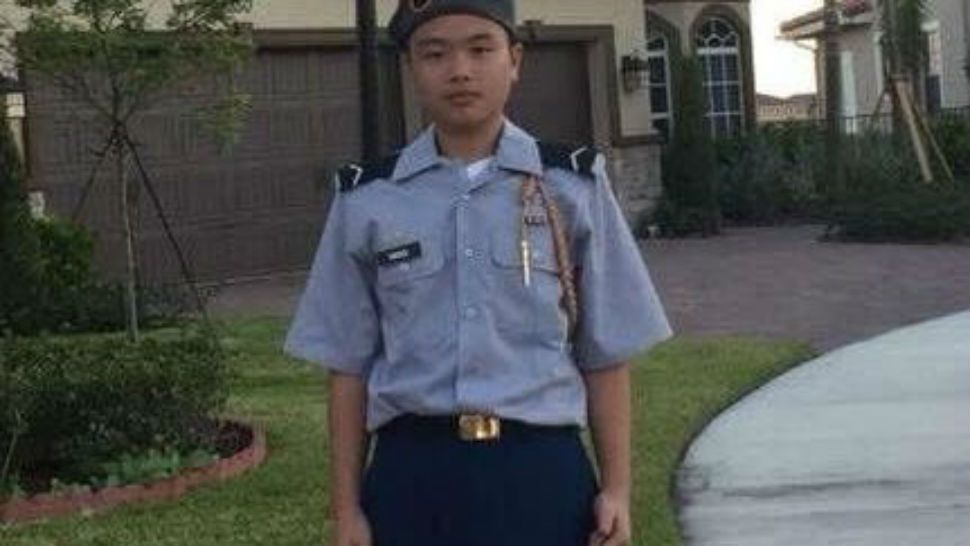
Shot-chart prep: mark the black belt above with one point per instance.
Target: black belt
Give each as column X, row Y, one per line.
column 470, row 427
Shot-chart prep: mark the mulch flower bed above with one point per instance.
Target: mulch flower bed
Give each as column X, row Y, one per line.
column 246, row 444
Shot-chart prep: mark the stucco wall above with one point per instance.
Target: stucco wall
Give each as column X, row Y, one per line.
column 864, row 68
column 950, row 15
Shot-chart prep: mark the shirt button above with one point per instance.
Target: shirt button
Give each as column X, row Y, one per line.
column 469, row 252
column 471, row 312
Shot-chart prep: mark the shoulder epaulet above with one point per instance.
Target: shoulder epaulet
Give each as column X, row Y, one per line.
column 352, row 176
column 579, row 159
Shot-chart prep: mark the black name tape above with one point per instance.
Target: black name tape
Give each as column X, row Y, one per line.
column 399, row 254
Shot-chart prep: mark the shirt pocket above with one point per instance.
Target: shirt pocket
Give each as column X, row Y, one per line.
column 430, row 261
column 535, row 309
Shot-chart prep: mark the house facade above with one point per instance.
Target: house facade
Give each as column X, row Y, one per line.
column 719, row 35
column 601, row 73
column 945, row 78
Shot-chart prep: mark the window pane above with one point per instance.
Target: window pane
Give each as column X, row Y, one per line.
column 658, row 70
column 662, row 125
column 658, row 100
column 704, row 65
column 719, row 93
column 717, row 68
column 731, row 67
column 720, row 27
column 736, row 124
column 734, row 98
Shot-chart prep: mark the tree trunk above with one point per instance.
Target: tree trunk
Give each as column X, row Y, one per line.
column 833, row 101
column 127, row 206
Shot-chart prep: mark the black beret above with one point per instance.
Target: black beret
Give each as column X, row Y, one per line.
column 411, row 14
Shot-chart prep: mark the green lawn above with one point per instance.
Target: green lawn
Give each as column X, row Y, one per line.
column 678, row 388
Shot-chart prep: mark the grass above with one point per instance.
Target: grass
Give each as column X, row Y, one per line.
column 678, row 388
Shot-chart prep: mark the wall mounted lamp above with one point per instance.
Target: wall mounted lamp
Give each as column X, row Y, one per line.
column 635, row 71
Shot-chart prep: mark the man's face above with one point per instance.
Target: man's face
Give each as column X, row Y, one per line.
column 463, row 68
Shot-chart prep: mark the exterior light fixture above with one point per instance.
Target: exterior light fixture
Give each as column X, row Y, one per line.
column 635, row 71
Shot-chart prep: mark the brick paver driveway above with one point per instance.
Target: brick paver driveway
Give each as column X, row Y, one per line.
column 783, row 282
column 778, row 282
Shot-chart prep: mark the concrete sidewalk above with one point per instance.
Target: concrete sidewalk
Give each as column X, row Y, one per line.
column 867, row 445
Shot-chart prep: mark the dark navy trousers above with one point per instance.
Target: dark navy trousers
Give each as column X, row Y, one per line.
column 424, row 486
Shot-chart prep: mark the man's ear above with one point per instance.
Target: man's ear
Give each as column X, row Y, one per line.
column 517, row 52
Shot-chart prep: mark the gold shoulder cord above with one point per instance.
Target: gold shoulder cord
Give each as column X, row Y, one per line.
column 531, row 189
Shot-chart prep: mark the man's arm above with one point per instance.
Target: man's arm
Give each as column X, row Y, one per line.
column 348, row 448
column 608, row 393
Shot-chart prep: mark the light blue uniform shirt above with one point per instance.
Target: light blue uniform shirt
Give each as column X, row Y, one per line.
column 417, row 287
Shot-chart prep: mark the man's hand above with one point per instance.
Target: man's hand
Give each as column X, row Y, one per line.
column 352, row 529
column 348, row 449
column 612, row 513
column 609, row 418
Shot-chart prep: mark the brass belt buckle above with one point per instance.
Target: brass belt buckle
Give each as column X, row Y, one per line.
column 479, row 428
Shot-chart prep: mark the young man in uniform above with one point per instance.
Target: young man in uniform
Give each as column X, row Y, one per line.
column 476, row 299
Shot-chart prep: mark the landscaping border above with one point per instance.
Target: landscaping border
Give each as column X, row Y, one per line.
column 52, row 505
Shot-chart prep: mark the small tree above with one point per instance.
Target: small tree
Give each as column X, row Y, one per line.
column 689, row 203
column 107, row 55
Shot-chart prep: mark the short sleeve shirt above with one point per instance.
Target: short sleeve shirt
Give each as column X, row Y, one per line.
column 417, row 286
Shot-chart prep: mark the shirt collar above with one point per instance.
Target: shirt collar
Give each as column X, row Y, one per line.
column 516, row 151
column 420, row 155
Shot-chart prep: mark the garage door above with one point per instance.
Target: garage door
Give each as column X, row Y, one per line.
column 255, row 210
column 552, row 98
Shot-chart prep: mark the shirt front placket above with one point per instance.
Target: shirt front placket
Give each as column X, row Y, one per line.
column 471, row 247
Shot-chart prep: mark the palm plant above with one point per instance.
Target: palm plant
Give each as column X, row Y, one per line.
column 903, row 37
column 902, row 22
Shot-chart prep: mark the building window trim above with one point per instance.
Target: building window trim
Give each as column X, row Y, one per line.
column 719, row 45
column 659, row 118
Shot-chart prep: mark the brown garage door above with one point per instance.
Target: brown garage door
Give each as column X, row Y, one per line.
column 253, row 211
column 552, row 98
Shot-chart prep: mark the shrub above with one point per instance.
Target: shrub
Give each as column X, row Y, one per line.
column 47, row 274
column 768, row 176
column 688, row 204
column 49, row 261
column 953, row 133
column 70, row 404
column 883, row 197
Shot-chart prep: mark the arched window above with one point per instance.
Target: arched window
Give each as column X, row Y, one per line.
column 658, row 59
column 719, row 50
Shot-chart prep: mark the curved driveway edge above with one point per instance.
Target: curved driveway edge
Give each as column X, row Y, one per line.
column 867, row 445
